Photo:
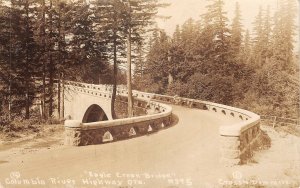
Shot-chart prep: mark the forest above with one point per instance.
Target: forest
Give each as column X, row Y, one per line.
column 43, row 42
column 216, row 60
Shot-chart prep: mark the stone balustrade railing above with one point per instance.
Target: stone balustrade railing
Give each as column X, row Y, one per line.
column 237, row 141
column 107, row 88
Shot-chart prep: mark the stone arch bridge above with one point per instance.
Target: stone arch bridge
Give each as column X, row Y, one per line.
column 87, row 108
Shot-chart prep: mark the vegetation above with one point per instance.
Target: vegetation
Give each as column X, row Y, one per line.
column 43, row 43
column 211, row 59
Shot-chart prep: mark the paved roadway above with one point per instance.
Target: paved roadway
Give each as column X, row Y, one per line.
column 185, row 155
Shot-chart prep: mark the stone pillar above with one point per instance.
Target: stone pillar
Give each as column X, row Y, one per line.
column 72, row 133
column 230, row 152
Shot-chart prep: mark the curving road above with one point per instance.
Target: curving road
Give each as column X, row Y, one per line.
column 185, row 155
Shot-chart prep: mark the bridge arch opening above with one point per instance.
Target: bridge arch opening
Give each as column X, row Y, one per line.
column 93, row 114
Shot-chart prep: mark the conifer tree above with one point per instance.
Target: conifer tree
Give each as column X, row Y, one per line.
column 137, row 15
column 216, row 17
column 110, row 31
column 22, row 61
column 220, row 56
column 177, row 34
column 283, row 35
column 236, row 33
column 261, row 37
column 266, row 38
column 246, row 48
column 157, row 59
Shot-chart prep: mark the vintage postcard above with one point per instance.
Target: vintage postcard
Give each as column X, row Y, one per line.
column 149, row 94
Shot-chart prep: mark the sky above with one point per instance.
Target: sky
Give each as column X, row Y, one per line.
column 181, row 10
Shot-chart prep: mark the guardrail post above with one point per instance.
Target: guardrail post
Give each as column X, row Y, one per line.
column 274, row 121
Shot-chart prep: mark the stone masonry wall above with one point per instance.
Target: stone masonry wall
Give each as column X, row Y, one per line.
column 82, row 137
column 239, row 149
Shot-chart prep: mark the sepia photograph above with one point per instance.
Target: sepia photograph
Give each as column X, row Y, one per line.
column 149, row 94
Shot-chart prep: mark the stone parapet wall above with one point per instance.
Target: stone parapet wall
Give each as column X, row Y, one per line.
column 86, row 135
column 237, row 141
column 240, row 149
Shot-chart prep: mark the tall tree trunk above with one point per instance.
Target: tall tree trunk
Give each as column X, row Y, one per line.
column 51, row 75
column 10, row 65
column 63, row 97
column 59, row 60
column 9, row 99
column 44, row 91
column 44, row 61
column 62, row 58
column 114, row 92
column 59, row 96
column 130, row 100
column 27, row 108
column 51, row 66
column 27, row 74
